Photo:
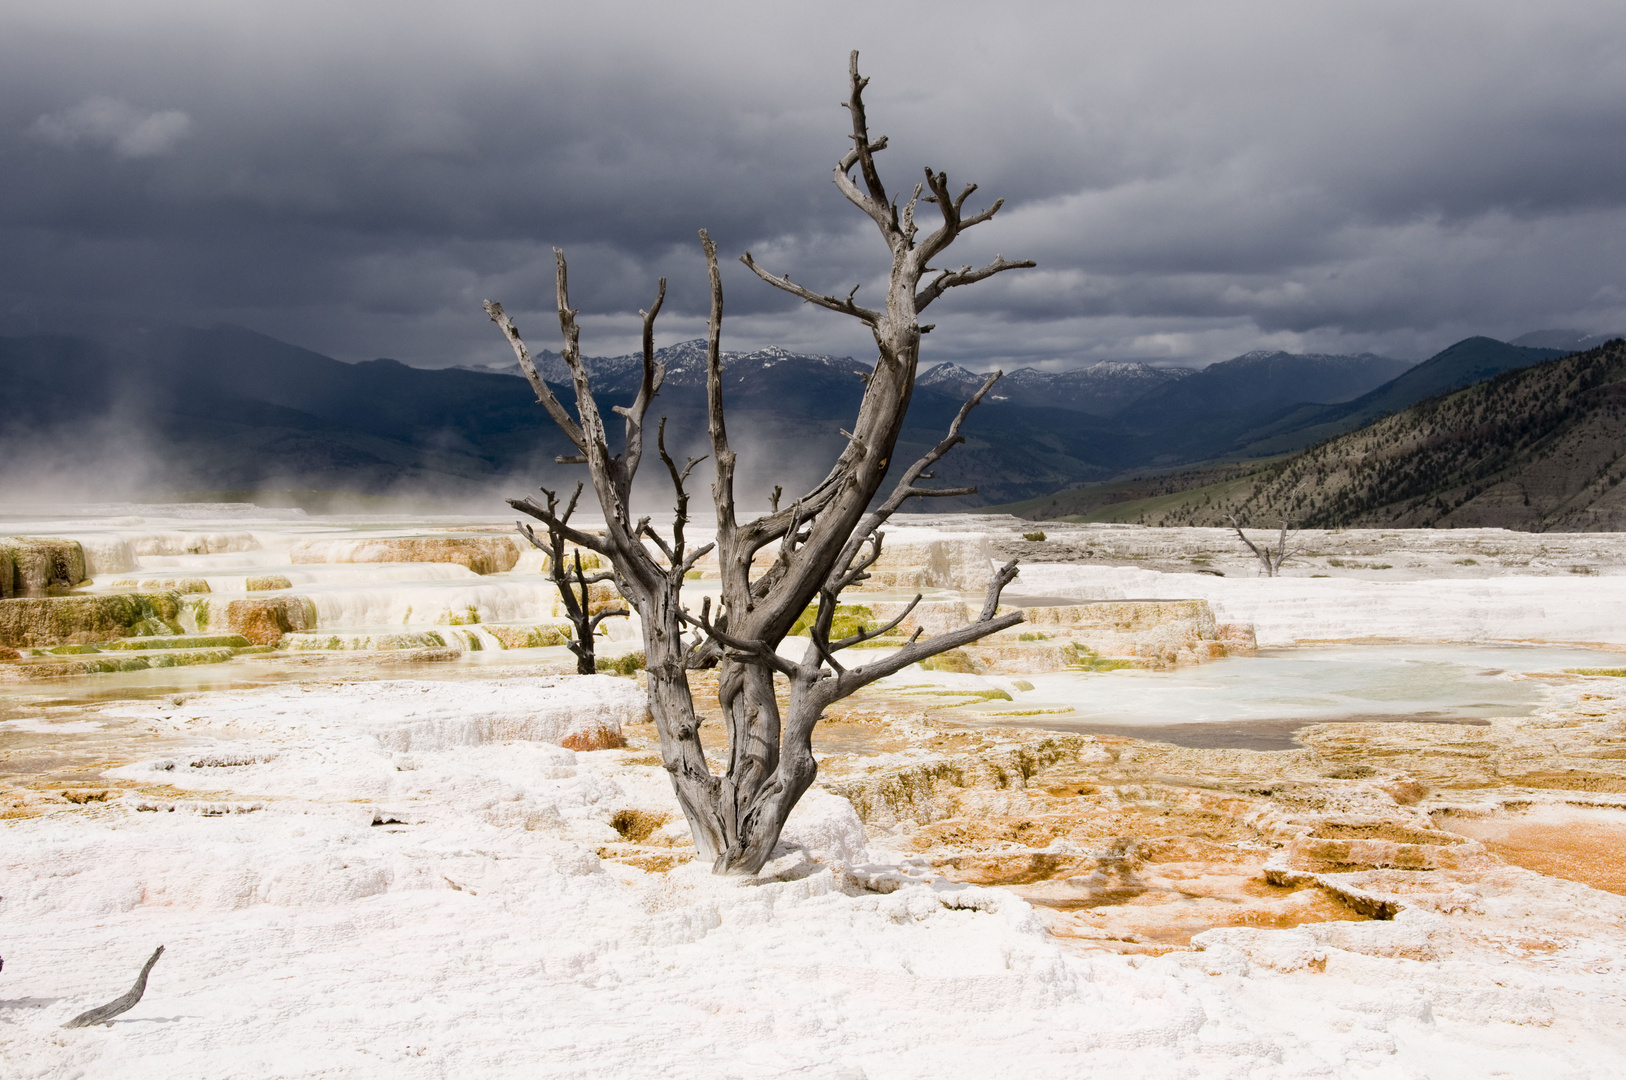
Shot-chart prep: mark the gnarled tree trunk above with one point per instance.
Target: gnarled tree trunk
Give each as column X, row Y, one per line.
column 823, row 542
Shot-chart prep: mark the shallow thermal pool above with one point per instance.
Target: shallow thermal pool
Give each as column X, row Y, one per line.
column 1260, row 701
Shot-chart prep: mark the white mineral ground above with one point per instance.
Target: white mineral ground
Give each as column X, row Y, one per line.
column 1389, row 844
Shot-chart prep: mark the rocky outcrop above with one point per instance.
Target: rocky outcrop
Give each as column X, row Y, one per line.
column 102, row 663
column 940, row 786
column 39, row 563
column 929, row 616
column 107, row 555
column 264, row 620
column 193, row 543
column 42, row 621
column 353, row 641
column 600, row 595
column 1100, row 636
column 1239, row 639
column 483, row 554
column 166, row 584
column 918, row 559
column 267, row 583
column 538, row 636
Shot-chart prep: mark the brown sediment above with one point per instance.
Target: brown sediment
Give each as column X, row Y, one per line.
column 1132, row 845
column 1579, row 848
column 1570, row 780
column 636, row 825
column 263, row 620
column 61, row 769
column 483, row 555
column 597, row 738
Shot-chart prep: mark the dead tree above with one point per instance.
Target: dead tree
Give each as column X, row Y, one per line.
column 121, row 1004
column 1270, row 560
column 570, row 580
column 820, row 544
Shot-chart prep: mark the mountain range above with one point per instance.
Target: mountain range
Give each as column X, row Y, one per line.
column 180, row 409
column 1099, row 390
column 1536, row 447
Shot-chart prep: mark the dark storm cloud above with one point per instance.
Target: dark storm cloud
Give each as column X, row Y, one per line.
column 1194, row 179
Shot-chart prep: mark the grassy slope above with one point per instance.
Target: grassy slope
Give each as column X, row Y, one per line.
column 1130, row 500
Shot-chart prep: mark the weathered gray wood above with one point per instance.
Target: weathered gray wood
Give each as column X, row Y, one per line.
column 1270, row 560
column 826, row 539
column 568, row 579
column 118, row 1005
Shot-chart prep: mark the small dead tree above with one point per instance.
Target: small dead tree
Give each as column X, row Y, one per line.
column 121, row 1004
column 821, row 544
column 573, row 584
column 1270, row 560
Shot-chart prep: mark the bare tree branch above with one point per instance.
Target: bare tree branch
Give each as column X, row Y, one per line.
column 573, row 583
column 545, row 516
column 950, row 279
column 658, row 540
column 674, row 554
column 607, row 613
column 852, row 569
column 819, row 632
column 121, row 1004
column 758, row 650
column 695, row 556
column 653, row 375
column 560, row 414
column 867, row 635
column 914, row 652
column 845, row 307
column 722, row 489
column 873, row 200
column 907, row 486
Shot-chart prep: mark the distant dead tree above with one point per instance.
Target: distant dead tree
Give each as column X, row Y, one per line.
column 820, row 544
column 573, row 584
column 1270, row 560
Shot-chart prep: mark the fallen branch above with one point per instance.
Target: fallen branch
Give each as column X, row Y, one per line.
column 124, row 1004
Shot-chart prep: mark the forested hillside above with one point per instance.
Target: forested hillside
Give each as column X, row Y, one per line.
column 1537, row 448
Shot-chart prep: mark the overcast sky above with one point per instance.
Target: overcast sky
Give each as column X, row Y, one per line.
column 1194, row 179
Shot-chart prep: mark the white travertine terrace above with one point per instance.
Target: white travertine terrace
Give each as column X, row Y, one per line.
column 362, row 872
